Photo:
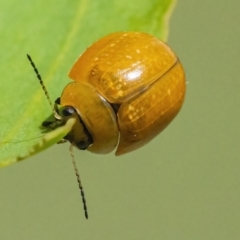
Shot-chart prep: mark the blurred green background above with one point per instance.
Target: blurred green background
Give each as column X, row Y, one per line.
column 183, row 185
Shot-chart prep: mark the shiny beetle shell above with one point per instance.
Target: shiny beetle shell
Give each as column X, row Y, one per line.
column 127, row 88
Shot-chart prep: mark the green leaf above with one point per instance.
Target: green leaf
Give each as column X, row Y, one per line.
column 44, row 142
column 55, row 33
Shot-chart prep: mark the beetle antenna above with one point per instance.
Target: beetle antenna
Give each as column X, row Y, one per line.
column 79, row 182
column 43, row 87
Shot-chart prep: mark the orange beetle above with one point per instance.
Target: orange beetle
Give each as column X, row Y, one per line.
column 127, row 88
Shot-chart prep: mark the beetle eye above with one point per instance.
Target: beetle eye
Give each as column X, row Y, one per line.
column 68, row 111
column 83, row 145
